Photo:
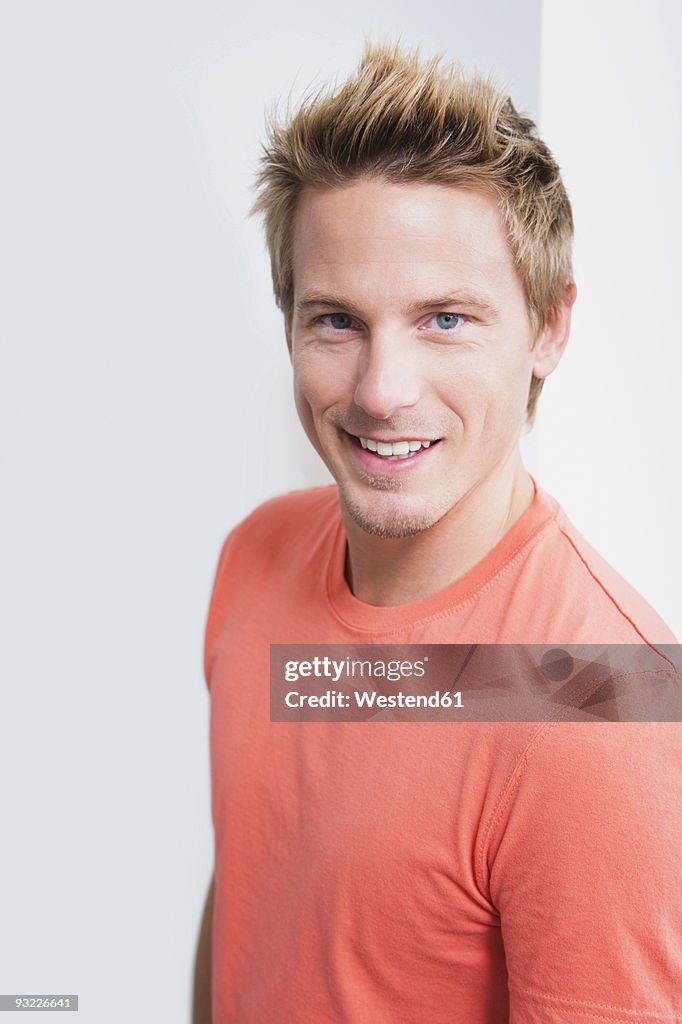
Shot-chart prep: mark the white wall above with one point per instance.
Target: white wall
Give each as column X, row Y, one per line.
column 610, row 425
column 144, row 404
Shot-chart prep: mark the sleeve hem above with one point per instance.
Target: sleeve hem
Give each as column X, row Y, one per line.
column 558, row 1009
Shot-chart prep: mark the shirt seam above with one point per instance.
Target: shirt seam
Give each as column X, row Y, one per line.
column 519, row 771
column 602, row 586
column 511, row 784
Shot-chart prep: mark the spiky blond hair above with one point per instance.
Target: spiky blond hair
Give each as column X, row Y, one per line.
column 405, row 120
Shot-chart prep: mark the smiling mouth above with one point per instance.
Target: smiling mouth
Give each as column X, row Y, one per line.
column 394, row 450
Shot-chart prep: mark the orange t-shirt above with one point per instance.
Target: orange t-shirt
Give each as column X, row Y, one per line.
column 386, row 873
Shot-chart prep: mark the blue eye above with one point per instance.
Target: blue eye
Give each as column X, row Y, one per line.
column 447, row 321
column 339, row 321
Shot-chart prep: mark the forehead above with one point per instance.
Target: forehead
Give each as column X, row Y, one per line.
column 376, row 236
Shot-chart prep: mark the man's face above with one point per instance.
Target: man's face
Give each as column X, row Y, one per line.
column 410, row 325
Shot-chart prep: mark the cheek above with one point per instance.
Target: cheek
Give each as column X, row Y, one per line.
column 320, row 383
column 312, row 395
column 307, row 417
column 484, row 388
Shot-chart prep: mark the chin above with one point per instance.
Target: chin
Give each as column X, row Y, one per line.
column 390, row 516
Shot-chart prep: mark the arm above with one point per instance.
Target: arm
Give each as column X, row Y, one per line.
column 201, row 1005
column 587, row 877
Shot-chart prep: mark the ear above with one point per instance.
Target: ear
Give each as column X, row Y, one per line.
column 550, row 345
column 287, row 334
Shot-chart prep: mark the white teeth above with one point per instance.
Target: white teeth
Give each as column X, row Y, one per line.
column 395, row 449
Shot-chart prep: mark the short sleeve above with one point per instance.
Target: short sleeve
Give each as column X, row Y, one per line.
column 585, row 871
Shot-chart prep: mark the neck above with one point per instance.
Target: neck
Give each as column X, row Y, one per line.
column 390, row 572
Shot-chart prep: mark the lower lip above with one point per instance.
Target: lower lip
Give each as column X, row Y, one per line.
column 373, row 463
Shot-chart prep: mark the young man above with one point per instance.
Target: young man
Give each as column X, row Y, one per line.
column 464, row 872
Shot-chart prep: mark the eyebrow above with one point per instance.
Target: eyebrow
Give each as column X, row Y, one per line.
column 462, row 298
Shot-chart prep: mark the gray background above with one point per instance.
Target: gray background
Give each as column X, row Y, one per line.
column 145, row 404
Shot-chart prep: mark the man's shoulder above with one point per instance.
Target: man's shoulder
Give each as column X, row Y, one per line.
column 266, row 552
column 294, row 511
column 294, row 522
column 589, row 588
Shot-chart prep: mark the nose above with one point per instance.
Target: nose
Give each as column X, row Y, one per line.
column 388, row 378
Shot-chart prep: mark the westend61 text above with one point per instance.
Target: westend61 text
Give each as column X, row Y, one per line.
column 372, row 699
